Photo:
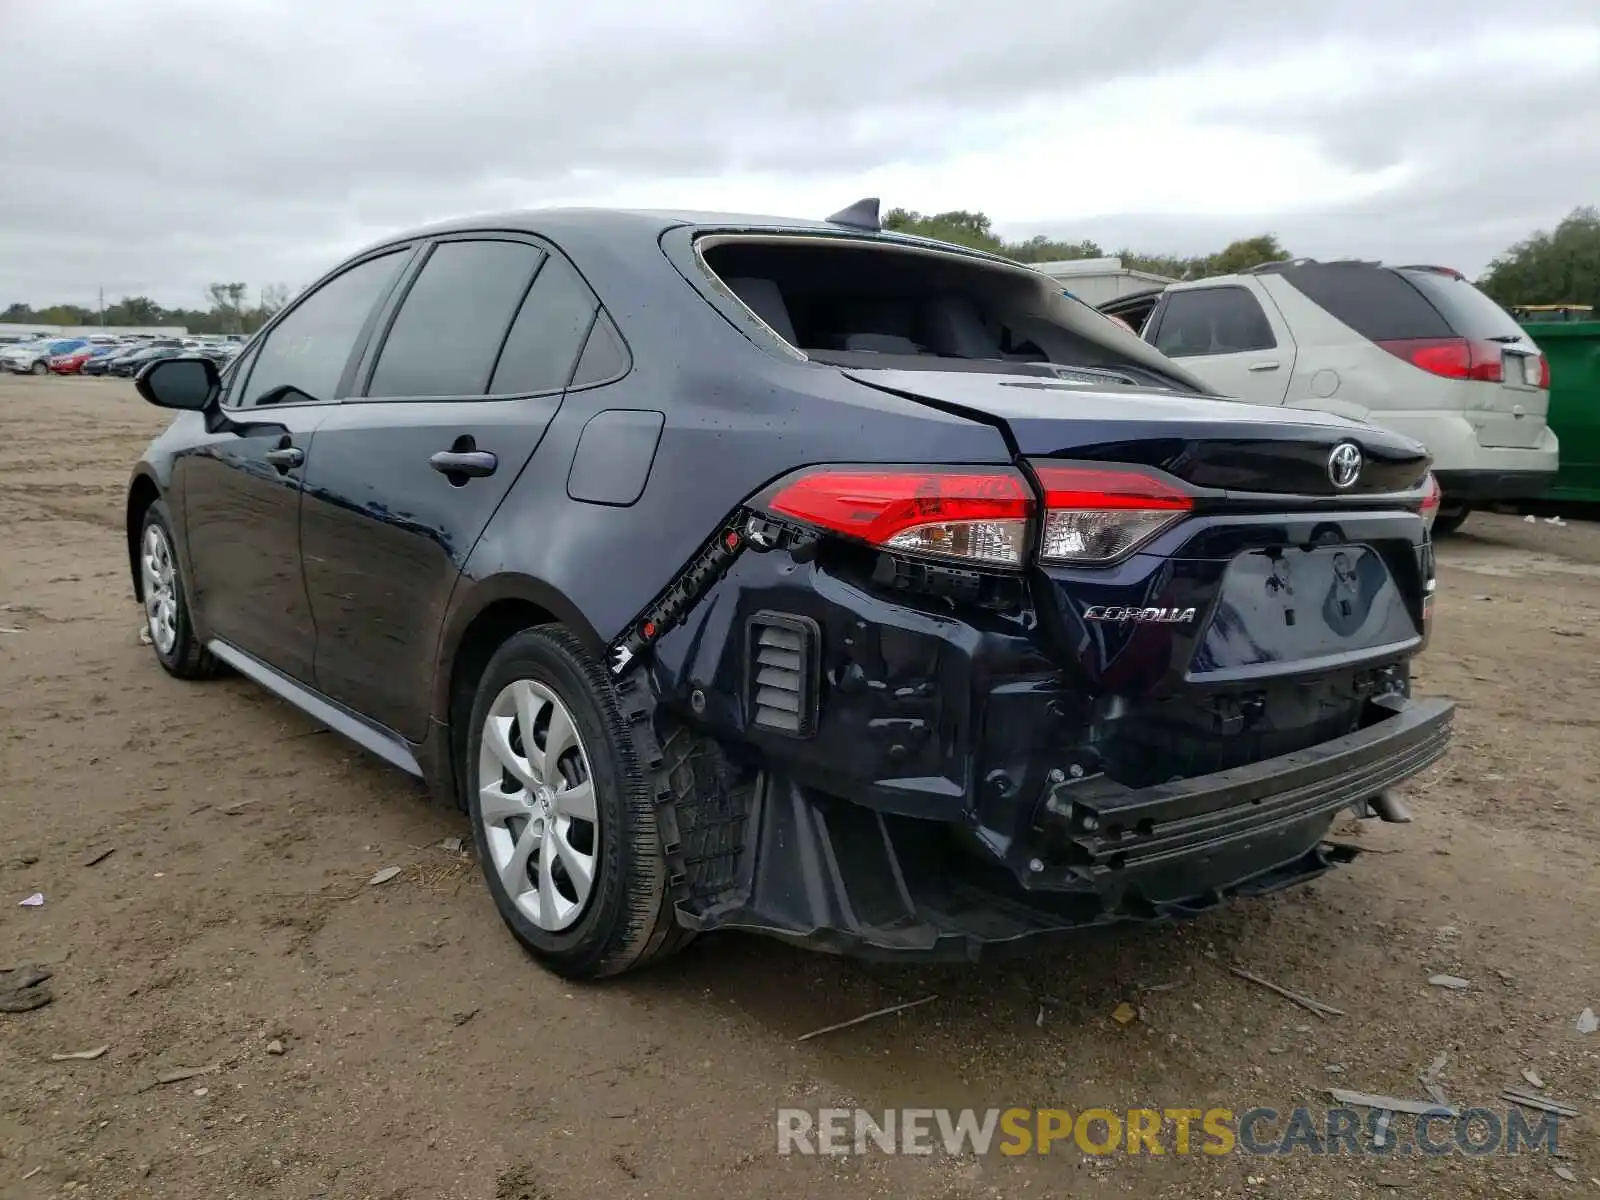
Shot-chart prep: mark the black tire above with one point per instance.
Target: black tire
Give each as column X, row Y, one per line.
column 629, row 918
column 187, row 658
column 1450, row 519
column 39, row 368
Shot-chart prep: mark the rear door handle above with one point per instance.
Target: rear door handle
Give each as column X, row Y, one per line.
column 1269, row 365
column 285, row 457
column 472, row 463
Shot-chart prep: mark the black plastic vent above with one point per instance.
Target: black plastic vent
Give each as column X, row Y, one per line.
column 783, row 673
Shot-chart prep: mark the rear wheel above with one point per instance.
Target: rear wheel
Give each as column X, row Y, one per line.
column 1450, row 519
column 40, row 368
column 562, row 778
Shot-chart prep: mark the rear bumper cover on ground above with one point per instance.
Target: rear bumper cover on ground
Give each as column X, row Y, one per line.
column 837, row 876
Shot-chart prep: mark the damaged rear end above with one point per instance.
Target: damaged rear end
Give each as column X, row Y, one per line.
column 1136, row 671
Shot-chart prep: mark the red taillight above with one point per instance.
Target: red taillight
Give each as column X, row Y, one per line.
column 968, row 514
column 1544, row 372
column 1094, row 515
column 1431, row 501
column 1451, row 358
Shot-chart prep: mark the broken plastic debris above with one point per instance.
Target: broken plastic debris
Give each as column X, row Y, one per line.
column 1539, row 1103
column 385, row 875
column 182, row 1073
column 144, row 635
column 864, row 1017
column 1530, row 519
column 1532, row 1077
column 452, row 844
column 1454, row 982
column 1317, row 1006
column 1587, row 1021
column 81, row 1055
column 1567, row 1174
column 1556, row 521
column 1430, row 1079
column 34, row 901
column 1124, row 1013
column 1391, row 1104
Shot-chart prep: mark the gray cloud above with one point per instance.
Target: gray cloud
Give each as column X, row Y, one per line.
column 172, row 142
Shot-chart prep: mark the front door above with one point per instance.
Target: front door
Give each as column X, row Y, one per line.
column 242, row 489
column 451, row 403
column 1229, row 338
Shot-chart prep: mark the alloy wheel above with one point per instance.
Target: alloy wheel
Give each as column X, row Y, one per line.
column 160, row 578
column 537, row 800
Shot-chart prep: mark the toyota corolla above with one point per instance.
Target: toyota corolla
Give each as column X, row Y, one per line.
column 795, row 577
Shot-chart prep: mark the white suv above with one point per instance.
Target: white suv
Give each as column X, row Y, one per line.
column 1415, row 349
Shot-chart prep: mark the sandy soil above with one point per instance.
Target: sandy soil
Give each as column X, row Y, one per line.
column 426, row 1057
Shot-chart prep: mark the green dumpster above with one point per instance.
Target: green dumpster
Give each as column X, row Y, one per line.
column 1573, row 351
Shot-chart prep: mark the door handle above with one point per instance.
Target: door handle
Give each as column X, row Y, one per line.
column 472, row 463
column 1269, row 365
column 285, row 457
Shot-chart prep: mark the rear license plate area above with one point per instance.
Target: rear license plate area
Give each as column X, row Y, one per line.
column 1279, row 610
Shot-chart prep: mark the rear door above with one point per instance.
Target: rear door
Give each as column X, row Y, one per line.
column 1230, row 337
column 453, row 399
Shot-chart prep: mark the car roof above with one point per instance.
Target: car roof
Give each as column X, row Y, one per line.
column 647, row 225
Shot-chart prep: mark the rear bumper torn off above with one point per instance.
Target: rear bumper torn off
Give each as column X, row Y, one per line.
column 838, row 876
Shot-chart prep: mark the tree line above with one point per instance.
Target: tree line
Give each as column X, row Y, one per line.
column 976, row 230
column 1559, row 266
column 231, row 309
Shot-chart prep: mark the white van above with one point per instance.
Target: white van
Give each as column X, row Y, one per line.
column 1416, row 349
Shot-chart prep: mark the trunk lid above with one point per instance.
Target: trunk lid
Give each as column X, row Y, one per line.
column 1210, row 443
column 1257, row 622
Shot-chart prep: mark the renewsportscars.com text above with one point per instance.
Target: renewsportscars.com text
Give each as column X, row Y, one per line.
column 1159, row 1131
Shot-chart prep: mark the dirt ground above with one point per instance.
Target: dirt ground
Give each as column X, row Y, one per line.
column 425, row 1057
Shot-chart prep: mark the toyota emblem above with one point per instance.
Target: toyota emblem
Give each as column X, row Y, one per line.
column 1344, row 465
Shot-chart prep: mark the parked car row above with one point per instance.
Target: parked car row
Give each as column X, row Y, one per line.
column 87, row 356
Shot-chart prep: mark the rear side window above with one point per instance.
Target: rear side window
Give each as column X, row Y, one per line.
column 1221, row 320
column 1379, row 304
column 307, row 351
column 604, row 355
column 1468, row 311
column 449, row 329
column 549, row 332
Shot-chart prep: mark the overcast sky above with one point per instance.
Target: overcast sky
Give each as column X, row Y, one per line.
column 152, row 146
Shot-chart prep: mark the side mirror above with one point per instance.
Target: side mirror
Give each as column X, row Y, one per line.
column 183, row 383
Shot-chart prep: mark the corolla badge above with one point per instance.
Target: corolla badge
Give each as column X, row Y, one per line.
column 1156, row 616
column 1344, row 465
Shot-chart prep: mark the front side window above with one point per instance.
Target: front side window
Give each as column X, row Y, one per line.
column 1221, row 320
column 305, row 354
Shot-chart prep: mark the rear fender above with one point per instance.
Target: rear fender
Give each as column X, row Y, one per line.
column 472, row 598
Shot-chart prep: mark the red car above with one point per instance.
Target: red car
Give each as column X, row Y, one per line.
column 72, row 362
